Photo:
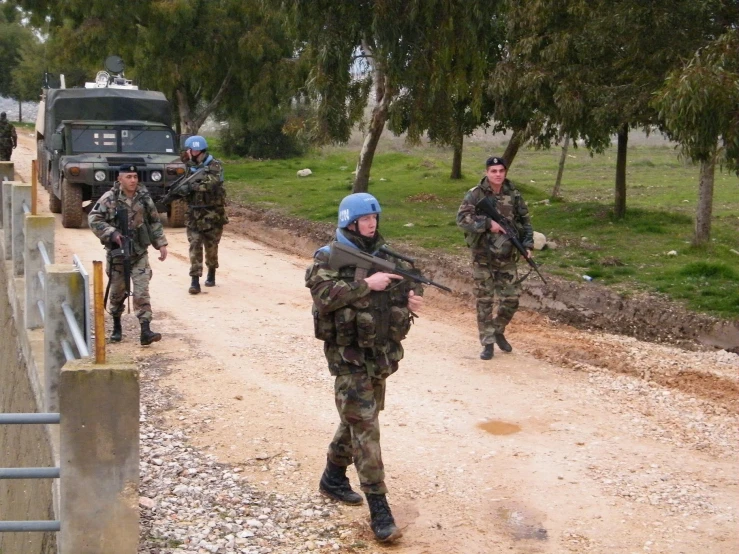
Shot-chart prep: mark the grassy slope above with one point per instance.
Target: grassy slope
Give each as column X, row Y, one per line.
column 413, row 187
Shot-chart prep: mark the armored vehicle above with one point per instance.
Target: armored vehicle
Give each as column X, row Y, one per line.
column 85, row 134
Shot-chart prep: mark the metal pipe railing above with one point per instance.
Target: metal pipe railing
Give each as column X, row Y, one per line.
column 74, row 329
column 41, row 309
column 67, row 349
column 44, row 253
column 29, row 472
column 29, row 418
column 30, row 526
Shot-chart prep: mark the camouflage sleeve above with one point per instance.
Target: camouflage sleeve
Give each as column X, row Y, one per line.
column 14, row 135
column 98, row 218
column 156, row 229
column 467, row 217
column 212, row 176
column 524, row 220
column 328, row 290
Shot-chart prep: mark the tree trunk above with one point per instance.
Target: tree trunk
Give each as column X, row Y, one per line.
column 383, row 96
column 191, row 121
column 20, row 111
column 457, row 159
column 619, row 209
column 561, row 170
column 705, row 202
column 513, row 145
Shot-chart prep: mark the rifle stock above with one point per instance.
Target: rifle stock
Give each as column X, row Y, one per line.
column 487, row 207
column 342, row 256
column 126, row 249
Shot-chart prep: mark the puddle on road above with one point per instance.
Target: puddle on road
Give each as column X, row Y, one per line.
column 495, row 427
column 522, row 523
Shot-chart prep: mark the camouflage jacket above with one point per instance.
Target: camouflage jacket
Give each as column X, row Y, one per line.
column 206, row 197
column 484, row 243
column 145, row 227
column 361, row 329
column 8, row 136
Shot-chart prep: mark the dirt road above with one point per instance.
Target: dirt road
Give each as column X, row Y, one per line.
column 559, row 446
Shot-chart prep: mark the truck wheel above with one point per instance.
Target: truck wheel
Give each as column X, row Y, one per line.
column 55, row 205
column 72, row 214
column 176, row 213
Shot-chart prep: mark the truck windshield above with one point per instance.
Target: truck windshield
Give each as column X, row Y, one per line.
column 94, row 140
column 155, row 141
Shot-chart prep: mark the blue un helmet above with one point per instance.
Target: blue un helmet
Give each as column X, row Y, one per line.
column 356, row 205
column 196, row 142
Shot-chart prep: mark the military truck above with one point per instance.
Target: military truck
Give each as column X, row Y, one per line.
column 85, row 134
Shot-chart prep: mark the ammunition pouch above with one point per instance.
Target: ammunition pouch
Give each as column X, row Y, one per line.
column 143, row 236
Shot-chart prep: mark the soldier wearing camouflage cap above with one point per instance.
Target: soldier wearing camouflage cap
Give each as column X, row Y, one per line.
column 129, row 198
column 493, row 256
column 8, row 138
column 362, row 319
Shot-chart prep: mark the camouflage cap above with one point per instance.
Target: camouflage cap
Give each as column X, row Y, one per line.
column 127, row 168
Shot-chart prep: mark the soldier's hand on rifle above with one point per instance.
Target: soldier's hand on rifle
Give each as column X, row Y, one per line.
column 381, row 280
column 495, row 228
column 415, row 303
column 162, row 253
column 117, row 238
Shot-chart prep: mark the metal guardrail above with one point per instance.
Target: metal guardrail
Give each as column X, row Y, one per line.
column 29, row 473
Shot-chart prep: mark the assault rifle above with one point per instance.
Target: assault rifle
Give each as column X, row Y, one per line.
column 180, row 183
column 125, row 251
column 342, row 256
column 487, row 207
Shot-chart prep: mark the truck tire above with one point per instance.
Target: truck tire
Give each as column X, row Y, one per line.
column 72, row 214
column 55, row 205
column 176, row 213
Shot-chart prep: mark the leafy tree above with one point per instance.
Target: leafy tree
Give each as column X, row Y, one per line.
column 588, row 68
column 198, row 52
column 699, row 104
column 389, row 47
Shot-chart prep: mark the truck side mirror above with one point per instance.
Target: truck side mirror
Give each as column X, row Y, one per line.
column 57, row 142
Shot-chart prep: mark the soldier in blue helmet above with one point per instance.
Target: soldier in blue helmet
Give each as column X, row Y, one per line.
column 362, row 319
column 206, row 210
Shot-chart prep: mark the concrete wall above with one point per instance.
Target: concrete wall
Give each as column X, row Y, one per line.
column 21, row 445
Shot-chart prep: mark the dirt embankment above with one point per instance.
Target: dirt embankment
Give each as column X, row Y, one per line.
column 585, row 306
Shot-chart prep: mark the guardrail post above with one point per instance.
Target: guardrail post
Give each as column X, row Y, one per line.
column 21, row 193
column 99, row 448
column 62, row 283
column 39, row 228
column 6, row 203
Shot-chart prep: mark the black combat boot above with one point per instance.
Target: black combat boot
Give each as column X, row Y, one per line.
column 147, row 335
column 194, row 286
column 335, row 484
column 502, row 343
column 210, row 280
column 487, row 352
column 117, row 333
column 382, row 522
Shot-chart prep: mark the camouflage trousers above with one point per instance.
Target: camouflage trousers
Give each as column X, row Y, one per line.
column 203, row 240
column 359, row 399
column 140, row 276
column 495, row 280
column 5, row 152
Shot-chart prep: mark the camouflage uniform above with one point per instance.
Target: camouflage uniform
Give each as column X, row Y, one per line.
column 206, row 214
column 493, row 256
column 362, row 331
column 145, row 229
column 8, row 139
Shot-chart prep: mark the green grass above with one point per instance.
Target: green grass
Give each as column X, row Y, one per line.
column 420, row 202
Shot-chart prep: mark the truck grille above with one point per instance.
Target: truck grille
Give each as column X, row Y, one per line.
column 143, row 175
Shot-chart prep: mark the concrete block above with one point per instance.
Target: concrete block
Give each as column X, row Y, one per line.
column 38, row 228
column 99, row 406
column 21, row 195
column 63, row 284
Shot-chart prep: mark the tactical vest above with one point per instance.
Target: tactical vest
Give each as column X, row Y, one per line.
column 372, row 322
